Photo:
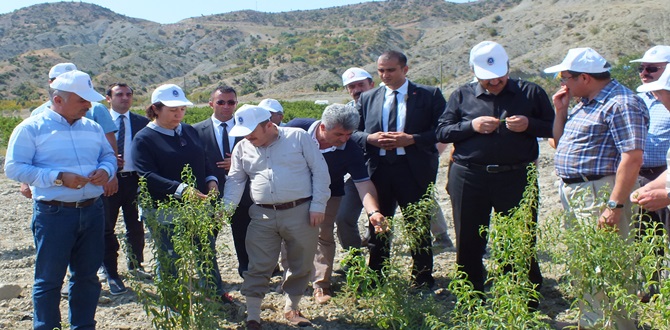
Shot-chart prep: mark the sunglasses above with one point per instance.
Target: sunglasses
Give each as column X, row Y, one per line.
column 229, row 102
column 649, row 68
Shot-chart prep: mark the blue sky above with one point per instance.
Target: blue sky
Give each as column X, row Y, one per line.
column 171, row 11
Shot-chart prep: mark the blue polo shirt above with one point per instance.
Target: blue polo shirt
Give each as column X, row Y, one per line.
column 341, row 160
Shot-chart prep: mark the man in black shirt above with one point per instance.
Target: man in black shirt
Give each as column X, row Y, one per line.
column 494, row 124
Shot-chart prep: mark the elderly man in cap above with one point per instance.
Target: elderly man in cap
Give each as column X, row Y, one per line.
column 600, row 143
column 66, row 160
column 289, row 187
column 494, row 124
column 275, row 108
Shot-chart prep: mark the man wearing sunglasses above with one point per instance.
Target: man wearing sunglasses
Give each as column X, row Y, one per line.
column 652, row 66
column 219, row 144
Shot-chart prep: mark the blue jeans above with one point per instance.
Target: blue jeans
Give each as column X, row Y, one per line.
column 67, row 236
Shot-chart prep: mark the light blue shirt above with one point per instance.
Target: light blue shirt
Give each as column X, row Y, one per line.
column 401, row 112
column 45, row 144
column 98, row 113
column 658, row 136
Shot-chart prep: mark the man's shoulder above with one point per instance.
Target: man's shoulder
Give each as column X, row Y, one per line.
column 138, row 117
column 201, row 124
column 303, row 123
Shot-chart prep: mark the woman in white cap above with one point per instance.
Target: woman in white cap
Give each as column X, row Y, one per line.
column 160, row 152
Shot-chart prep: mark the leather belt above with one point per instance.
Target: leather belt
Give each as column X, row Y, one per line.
column 287, row 205
column 78, row 205
column 126, row 174
column 652, row 170
column 583, row 178
column 492, row 168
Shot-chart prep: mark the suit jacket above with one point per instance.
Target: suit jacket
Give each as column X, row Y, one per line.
column 137, row 123
column 424, row 105
column 206, row 133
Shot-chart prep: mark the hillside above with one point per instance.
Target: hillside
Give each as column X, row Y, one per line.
column 290, row 55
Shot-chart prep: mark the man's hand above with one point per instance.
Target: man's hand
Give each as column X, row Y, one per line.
column 111, row 187
column 393, row 140
column 316, row 218
column 485, row 124
column 119, row 161
column 75, row 181
column 610, row 217
column 517, row 123
column 99, row 177
column 25, row 190
column 225, row 163
column 212, row 186
column 651, row 200
column 191, row 193
column 373, row 139
column 379, row 222
column 561, row 101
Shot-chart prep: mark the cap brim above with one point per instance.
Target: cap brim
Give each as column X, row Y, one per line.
column 176, row 103
column 490, row 72
column 354, row 80
column 556, row 68
column 239, row 130
column 272, row 110
column 652, row 87
column 91, row 96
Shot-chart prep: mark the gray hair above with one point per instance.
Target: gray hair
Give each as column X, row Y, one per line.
column 340, row 115
column 55, row 92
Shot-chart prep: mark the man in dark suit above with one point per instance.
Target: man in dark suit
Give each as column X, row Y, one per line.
column 218, row 144
column 397, row 129
column 120, row 98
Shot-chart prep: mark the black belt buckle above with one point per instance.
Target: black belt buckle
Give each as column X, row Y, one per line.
column 492, row 168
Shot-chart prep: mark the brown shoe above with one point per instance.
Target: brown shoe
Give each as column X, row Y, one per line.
column 322, row 295
column 253, row 325
column 295, row 318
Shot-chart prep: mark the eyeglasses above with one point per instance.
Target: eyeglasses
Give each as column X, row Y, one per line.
column 649, row 68
column 229, row 102
column 565, row 79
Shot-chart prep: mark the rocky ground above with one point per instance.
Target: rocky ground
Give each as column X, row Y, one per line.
column 123, row 312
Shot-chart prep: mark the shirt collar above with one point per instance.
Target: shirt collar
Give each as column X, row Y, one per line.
column 115, row 115
column 312, row 132
column 165, row 131
column 230, row 122
column 402, row 90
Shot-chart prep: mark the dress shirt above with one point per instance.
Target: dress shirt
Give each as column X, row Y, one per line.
column 128, row 163
column 97, row 112
column 598, row 131
column 502, row 146
column 218, row 132
column 401, row 111
column 658, row 136
column 290, row 168
column 45, row 144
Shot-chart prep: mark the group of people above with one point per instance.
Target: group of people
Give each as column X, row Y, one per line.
column 290, row 184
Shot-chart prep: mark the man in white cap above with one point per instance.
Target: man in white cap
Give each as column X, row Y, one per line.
column 494, row 124
column 289, row 187
column 652, row 66
column 66, row 160
column 275, row 108
column 656, row 194
column 599, row 146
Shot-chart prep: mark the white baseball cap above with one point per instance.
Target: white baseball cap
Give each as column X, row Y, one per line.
column 79, row 83
column 271, row 105
column 584, row 60
column 247, row 117
column 663, row 82
column 170, row 95
column 354, row 75
column 656, row 54
column 489, row 60
column 61, row 68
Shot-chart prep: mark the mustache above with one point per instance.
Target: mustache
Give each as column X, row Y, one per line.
column 357, row 94
column 648, row 76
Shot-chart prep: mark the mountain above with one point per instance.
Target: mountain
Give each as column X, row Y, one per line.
column 292, row 55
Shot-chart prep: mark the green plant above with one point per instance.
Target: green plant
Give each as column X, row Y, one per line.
column 184, row 296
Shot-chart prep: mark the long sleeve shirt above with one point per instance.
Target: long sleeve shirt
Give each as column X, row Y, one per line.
column 290, row 168
column 43, row 145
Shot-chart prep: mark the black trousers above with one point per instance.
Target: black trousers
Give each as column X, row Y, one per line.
column 474, row 193
column 125, row 199
column 661, row 216
column 239, row 224
column 396, row 186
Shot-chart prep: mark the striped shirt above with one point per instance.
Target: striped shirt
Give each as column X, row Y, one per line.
column 658, row 137
column 98, row 113
column 598, row 131
column 43, row 145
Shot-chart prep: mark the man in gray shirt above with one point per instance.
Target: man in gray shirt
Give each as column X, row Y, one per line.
column 289, row 183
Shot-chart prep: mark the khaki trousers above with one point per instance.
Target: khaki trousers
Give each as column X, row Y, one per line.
column 325, row 249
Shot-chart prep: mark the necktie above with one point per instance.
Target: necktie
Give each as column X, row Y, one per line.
column 225, row 141
column 121, row 137
column 391, row 155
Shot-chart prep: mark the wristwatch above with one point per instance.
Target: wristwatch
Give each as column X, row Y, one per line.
column 373, row 212
column 59, row 180
column 613, row 205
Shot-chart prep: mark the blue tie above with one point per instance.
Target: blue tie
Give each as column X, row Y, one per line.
column 391, row 155
column 121, row 137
